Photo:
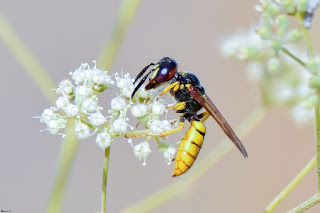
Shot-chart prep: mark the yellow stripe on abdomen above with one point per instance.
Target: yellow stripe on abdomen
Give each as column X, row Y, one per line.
column 189, row 148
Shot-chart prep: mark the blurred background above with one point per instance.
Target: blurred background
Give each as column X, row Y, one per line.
column 63, row 34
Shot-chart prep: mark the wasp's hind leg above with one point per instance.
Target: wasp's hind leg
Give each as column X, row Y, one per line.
column 145, row 133
column 203, row 116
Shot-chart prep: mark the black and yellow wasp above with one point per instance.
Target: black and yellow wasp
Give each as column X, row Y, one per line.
column 191, row 97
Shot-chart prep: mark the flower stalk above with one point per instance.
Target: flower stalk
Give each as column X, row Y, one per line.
column 105, row 180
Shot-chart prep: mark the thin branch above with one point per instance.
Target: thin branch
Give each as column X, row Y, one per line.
column 286, row 51
column 291, row 186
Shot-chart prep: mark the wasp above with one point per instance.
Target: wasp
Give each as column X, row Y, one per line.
column 191, row 98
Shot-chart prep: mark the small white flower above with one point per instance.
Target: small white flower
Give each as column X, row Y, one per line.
column 237, row 44
column 143, row 93
column 158, row 108
column 283, row 91
column 83, row 91
column 82, row 130
column 54, row 126
column 124, row 81
column 97, row 119
column 46, row 115
column 103, row 140
column 141, row 151
column 139, row 110
column 170, row 154
column 127, row 91
column 108, row 82
column 118, row 103
column 158, row 126
column 120, row 125
column 302, row 114
column 71, row 110
column 98, row 76
column 62, row 102
column 90, row 104
column 65, row 87
column 79, row 75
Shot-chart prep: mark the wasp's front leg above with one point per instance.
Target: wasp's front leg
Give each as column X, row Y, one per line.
column 174, row 87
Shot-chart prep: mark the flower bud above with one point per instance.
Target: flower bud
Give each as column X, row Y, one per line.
column 273, row 65
column 270, row 7
column 302, row 5
column 282, row 24
column 289, row 6
column 294, row 36
column 264, row 32
column 276, row 45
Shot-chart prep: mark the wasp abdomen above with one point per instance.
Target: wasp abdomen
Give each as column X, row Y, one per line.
column 189, row 148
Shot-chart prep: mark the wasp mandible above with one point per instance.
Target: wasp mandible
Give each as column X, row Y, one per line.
column 191, row 98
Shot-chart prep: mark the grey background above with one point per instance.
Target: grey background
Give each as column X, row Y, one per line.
column 62, row 34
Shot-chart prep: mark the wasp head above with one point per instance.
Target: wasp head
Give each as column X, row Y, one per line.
column 162, row 72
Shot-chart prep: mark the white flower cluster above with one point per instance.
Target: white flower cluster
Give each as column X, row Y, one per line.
column 286, row 76
column 78, row 101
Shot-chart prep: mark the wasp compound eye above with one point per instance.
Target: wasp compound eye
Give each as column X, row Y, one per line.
column 167, row 69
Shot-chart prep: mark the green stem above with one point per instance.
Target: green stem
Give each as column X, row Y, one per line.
column 291, row 186
column 286, row 51
column 27, row 60
column 315, row 199
column 177, row 188
column 317, row 135
column 67, row 154
column 305, row 33
column 125, row 16
column 104, row 180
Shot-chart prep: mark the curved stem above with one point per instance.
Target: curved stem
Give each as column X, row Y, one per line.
column 125, row 16
column 27, row 60
column 291, row 186
column 104, row 180
column 67, row 154
column 177, row 188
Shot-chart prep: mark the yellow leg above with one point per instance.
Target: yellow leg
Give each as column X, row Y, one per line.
column 179, row 106
column 175, row 86
column 204, row 116
column 145, row 133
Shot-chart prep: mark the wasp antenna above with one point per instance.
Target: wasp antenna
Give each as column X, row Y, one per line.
column 140, row 83
column 142, row 72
